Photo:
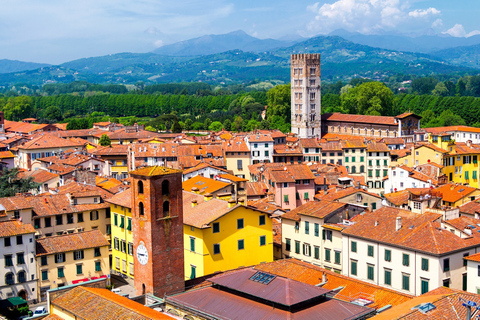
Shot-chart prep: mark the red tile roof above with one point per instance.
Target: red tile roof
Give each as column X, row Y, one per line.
column 470, row 208
column 45, row 141
column 71, row 242
column 317, row 209
column 39, row 176
column 382, row 120
column 154, row 171
column 123, row 199
column 398, row 198
column 95, row 303
column 256, row 188
column 259, row 138
column 452, row 128
column 206, row 212
column 453, row 193
column 205, row 185
column 337, row 194
column 14, row 227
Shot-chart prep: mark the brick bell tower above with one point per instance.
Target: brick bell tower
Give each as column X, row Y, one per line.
column 157, row 230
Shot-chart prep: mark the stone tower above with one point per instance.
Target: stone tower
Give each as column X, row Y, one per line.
column 157, row 219
column 306, row 98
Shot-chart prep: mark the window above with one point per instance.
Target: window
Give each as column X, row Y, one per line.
column 79, row 269
column 21, row 276
column 424, row 264
column 129, row 224
column 287, row 244
column 261, row 220
column 406, row 260
column 60, row 257
column 97, row 252
column 216, row 248
column 141, row 209
column 20, row 258
column 388, row 277
column 93, row 215
column 337, row 257
column 266, row 153
column 306, row 196
column 44, row 275
column 60, row 272
column 263, row 240
column 406, row 282
column 307, row 250
column 8, row 260
column 69, row 218
column 370, row 173
column 353, row 246
column 7, row 242
column 240, row 244
column 9, row 278
column 192, row 244
column 122, row 222
column 43, row 261
column 165, row 187
column 240, row 223
column 216, row 227
column 115, row 243
column 317, row 229
column 353, row 267
column 446, row 265
column 140, row 187
column 19, row 240
column 297, row 196
column 130, row 248
column 80, row 217
column 377, row 173
column 370, row 272
column 115, row 219
column 327, row 255
column 59, row 220
column 78, row 255
column 98, row 266
column 370, row 251
column 424, row 286
column 297, row 247
column 446, row 283
column 388, row 255
column 307, row 227
column 465, row 261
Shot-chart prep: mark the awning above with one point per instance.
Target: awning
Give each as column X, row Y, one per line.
column 11, row 302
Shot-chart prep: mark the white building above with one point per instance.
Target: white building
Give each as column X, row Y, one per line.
column 473, row 273
column 17, row 255
column 458, row 133
column 260, row 146
column 203, row 169
column 402, row 177
column 408, row 252
column 305, row 95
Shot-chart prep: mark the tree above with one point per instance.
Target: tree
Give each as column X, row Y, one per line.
column 150, row 128
column 372, row 98
column 215, row 126
column 207, row 123
column 188, row 124
column 10, row 184
column 105, row 141
column 176, row 127
column 440, row 90
column 227, row 124
column 424, row 85
column 53, row 113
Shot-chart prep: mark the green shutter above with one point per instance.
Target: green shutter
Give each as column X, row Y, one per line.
column 129, row 225
column 317, row 252
column 474, row 159
column 306, row 195
column 405, row 282
column 327, row 254
column 297, row 247
column 424, row 264
column 424, row 286
column 115, row 219
column 353, row 244
column 285, row 198
column 474, row 175
column 337, row 257
column 370, row 273
column 388, row 277
column 297, row 196
column 406, row 260
column 122, row 222
column 388, row 255
column 323, row 235
column 354, row 268
column 370, row 251
column 317, row 229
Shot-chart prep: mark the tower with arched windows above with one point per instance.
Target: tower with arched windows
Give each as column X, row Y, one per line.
column 157, row 219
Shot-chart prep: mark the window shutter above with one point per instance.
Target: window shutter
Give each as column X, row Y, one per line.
column 323, row 234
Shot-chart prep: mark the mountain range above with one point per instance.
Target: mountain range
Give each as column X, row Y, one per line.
column 238, row 57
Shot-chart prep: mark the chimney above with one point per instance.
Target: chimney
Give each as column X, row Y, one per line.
column 207, row 197
column 324, row 277
column 398, row 224
column 194, row 203
column 468, row 231
column 469, row 143
column 376, row 223
column 195, row 190
column 231, row 203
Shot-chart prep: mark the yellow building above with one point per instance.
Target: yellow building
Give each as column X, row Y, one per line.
column 122, row 237
column 461, row 164
column 422, row 154
column 70, row 259
column 237, row 157
column 221, row 235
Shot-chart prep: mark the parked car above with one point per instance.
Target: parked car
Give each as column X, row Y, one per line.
column 40, row 310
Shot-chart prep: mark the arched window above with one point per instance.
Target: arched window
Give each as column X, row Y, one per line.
column 166, row 209
column 165, row 187
column 9, row 278
column 141, row 209
column 140, row 187
column 21, row 276
column 354, row 169
column 143, row 288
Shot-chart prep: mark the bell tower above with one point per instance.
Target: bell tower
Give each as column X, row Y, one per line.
column 157, row 218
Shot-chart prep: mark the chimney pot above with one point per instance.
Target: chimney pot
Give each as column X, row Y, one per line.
column 398, row 224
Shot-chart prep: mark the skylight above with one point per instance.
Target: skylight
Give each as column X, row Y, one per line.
column 262, row 277
column 424, row 307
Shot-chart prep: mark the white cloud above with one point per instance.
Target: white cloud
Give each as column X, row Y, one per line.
column 158, row 43
column 459, row 31
column 437, row 23
column 367, row 16
column 423, row 13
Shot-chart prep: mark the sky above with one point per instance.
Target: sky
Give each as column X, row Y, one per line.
column 57, row 31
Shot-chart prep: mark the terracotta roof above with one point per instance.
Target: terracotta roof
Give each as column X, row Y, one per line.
column 125, row 134
column 309, row 143
column 453, row 193
column 341, row 117
column 416, row 174
column 6, row 155
column 264, row 205
column 336, row 136
column 331, row 146
column 377, row 147
column 275, row 133
column 70, row 242
column 154, row 171
column 252, row 138
column 231, row 177
column 352, row 144
column 290, row 172
column 418, row 232
column 336, row 194
column 21, row 127
column 398, row 198
column 474, row 257
column 283, row 149
column 95, row 303
column 351, row 288
column 393, row 140
column 256, row 188
column 200, row 166
column 407, row 114
column 236, row 144
column 206, row 212
column 471, row 208
column 123, row 199
column 39, row 176
column 53, row 317
column 14, row 227
column 61, row 169
column 74, row 187
column 113, row 150
column 452, row 128
column 430, row 146
column 317, row 209
column 463, row 148
column 45, row 141
column 205, row 185
column 61, row 126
